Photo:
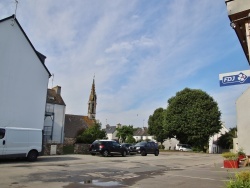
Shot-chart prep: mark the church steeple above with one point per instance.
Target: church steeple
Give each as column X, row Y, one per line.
column 92, row 102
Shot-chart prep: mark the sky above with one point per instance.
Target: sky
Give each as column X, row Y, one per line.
column 140, row 53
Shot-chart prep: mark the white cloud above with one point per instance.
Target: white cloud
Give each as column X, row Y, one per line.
column 141, row 53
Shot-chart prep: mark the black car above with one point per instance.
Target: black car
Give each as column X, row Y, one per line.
column 106, row 148
column 130, row 148
column 147, row 147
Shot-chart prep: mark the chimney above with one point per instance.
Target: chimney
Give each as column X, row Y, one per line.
column 118, row 125
column 57, row 89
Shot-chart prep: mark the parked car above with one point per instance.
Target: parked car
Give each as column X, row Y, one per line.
column 130, row 148
column 185, row 148
column 106, row 148
column 147, row 147
column 177, row 147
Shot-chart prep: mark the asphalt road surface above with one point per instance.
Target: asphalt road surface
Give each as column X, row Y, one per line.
column 169, row 169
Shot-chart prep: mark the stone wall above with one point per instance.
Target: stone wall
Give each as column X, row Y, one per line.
column 49, row 149
column 81, row 149
column 69, row 141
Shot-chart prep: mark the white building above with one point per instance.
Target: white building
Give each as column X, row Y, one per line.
column 142, row 134
column 243, row 121
column 170, row 144
column 111, row 132
column 23, row 78
column 54, row 116
column 213, row 147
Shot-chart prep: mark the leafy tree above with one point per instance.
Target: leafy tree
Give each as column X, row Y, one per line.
column 226, row 140
column 155, row 126
column 192, row 117
column 130, row 139
column 91, row 134
column 124, row 131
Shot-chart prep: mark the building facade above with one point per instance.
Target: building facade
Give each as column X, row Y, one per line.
column 243, row 121
column 23, row 78
column 54, row 116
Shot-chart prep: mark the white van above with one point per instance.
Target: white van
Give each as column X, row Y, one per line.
column 20, row 142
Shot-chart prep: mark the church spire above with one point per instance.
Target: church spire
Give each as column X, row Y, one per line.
column 92, row 102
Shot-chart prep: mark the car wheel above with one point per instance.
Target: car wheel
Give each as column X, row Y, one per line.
column 156, row 153
column 124, row 153
column 105, row 153
column 93, row 154
column 143, row 153
column 181, row 149
column 32, row 155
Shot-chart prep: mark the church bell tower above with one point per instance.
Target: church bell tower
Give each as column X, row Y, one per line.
column 92, row 102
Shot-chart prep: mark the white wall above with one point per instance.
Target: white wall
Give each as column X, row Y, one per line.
column 170, row 143
column 213, row 148
column 243, row 121
column 112, row 136
column 58, row 126
column 23, row 80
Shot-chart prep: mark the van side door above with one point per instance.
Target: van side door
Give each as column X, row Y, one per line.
column 2, row 140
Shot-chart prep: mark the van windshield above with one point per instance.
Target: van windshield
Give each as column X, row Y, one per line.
column 2, row 133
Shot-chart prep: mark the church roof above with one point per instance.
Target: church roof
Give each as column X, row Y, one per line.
column 74, row 123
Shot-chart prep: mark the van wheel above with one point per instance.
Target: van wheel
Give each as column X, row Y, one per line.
column 156, row 153
column 32, row 156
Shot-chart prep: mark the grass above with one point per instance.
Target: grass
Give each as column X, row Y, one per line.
column 241, row 180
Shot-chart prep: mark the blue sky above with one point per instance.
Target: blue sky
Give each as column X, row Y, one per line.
column 141, row 52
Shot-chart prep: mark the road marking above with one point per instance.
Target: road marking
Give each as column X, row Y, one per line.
column 193, row 177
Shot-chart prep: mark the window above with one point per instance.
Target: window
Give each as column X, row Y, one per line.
column 2, row 133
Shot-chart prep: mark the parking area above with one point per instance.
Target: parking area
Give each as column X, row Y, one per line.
column 169, row 169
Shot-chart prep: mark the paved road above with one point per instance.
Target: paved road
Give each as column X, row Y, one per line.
column 169, row 169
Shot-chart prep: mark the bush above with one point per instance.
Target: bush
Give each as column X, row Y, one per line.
column 68, row 149
column 242, row 179
column 161, row 147
column 230, row 156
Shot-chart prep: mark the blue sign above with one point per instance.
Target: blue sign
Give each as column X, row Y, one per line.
column 235, row 78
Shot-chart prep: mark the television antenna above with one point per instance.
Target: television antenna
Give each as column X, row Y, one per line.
column 13, row 20
column 52, row 80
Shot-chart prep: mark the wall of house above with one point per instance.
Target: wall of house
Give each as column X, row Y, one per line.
column 170, row 144
column 212, row 146
column 23, row 80
column 243, row 121
column 58, row 125
column 112, row 135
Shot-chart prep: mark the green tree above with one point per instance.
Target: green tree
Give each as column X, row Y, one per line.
column 91, row 134
column 124, row 131
column 226, row 140
column 155, row 126
column 192, row 117
column 130, row 139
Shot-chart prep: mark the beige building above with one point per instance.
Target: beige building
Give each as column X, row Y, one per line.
column 243, row 121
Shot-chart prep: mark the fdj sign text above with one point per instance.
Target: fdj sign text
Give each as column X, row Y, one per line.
column 227, row 79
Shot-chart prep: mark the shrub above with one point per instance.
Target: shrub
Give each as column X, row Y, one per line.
column 161, row 147
column 68, row 149
column 242, row 179
column 230, row 155
column 241, row 152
